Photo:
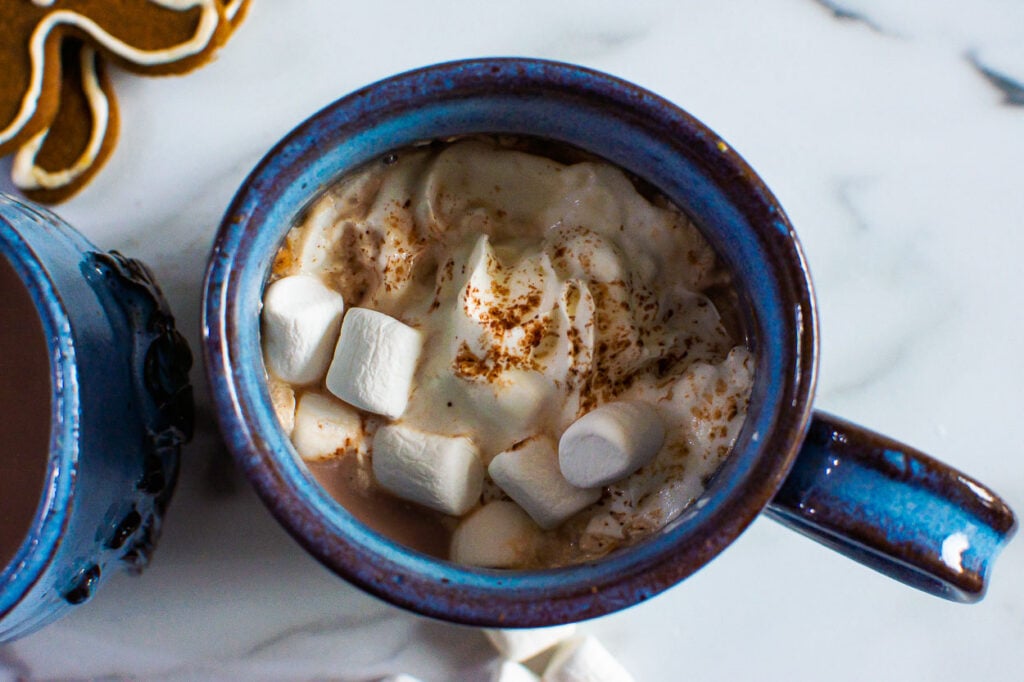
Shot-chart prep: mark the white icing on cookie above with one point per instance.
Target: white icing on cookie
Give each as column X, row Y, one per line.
column 208, row 21
column 231, row 9
column 29, row 176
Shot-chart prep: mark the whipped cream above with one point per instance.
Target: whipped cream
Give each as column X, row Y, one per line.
column 541, row 290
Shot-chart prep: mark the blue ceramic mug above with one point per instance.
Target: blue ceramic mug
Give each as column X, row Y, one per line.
column 120, row 407
column 878, row 501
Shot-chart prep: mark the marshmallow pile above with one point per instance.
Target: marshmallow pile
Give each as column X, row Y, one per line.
column 533, row 357
column 550, row 482
column 367, row 361
column 553, row 654
column 561, row 655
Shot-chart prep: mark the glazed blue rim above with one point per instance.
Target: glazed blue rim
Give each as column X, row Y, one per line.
column 53, row 511
column 778, row 305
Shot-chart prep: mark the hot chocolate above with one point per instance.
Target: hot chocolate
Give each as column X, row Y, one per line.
column 493, row 297
column 24, row 411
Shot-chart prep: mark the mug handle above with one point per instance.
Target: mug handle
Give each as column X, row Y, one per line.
column 894, row 509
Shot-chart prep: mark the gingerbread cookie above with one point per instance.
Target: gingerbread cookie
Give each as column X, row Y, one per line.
column 57, row 106
column 64, row 156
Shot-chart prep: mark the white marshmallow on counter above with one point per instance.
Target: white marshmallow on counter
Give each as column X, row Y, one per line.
column 400, row 677
column 609, row 443
column 497, row 535
column 325, row 428
column 509, row 671
column 584, row 659
column 374, row 362
column 440, row 472
column 522, row 645
column 301, row 317
column 529, row 474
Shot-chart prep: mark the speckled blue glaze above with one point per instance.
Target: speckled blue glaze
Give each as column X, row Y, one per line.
column 895, row 509
column 121, row 407
column 632, row 128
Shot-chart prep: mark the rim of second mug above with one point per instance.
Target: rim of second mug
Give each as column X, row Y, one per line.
column 52, row 514
column 277, row 191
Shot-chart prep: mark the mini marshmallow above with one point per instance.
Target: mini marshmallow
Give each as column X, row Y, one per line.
column 282, row 398
column 609, row 443
column 584, row 659
column 374, row 362
column 301, row 317
column 521, row 645
column 509, row 671
column 498, row 535
column 440, row 472
column 325, row 428
column 529, row 474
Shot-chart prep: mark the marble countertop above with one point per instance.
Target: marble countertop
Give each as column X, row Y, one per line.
column 892, row 132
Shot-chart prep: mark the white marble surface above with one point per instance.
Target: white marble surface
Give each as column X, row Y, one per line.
column 899, row 162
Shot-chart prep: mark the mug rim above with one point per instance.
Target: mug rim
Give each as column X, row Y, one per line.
column 439, row 588
column 52, row 515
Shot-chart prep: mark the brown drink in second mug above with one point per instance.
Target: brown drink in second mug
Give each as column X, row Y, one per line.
column 24, row 411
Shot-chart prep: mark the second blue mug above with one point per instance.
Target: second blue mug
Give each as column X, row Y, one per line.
column 120, row 406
